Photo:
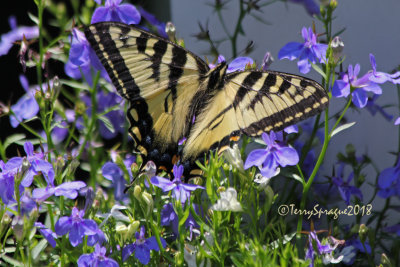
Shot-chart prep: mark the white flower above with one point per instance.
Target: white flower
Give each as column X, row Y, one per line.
column 232, row 155
column 228, row 201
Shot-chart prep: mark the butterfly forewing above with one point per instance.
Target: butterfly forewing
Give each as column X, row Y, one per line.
column 158, row 78
column 253, row 102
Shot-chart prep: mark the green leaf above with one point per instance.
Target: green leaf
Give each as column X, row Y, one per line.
column 39, row 248
column 185, row 216
column 284, row 240
column 75, row 84
column 11, row 261
column 13, row 139
column 342, row 128
column 319, row 70
column 297, row 178
column 107, row 123
column 33, row 18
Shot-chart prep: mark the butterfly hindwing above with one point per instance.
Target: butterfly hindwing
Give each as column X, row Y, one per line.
column 157, row 77
column 253, row 102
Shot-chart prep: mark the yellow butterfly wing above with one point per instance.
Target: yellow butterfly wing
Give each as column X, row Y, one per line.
column 157, row 77
column 253, row 102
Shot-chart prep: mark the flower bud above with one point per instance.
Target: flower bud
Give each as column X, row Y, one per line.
column 267, row 61
column 363, row 231
column 122, row 231
column 132, row 228
column 18, row 227
column 333, row 4
column 5, row 221
column 385, row 260
column 337, row 48
column 39, row 97
column 148, row 199
column 137, row 191
column 73, row 165
column 221, row 189
column 178, row 259
column 171, row 31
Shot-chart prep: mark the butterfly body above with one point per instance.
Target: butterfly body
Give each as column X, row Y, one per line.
column 174, row 94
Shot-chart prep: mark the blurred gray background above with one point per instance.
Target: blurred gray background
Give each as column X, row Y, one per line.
column 371, row 27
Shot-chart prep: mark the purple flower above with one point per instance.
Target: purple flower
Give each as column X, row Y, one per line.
column 309, row 51
column 47, row 233
column 115, row 117
column 345, row 189
column 32, row 165
column 97, row 258
column 68, row 189
column 76, row 226
column 16, row 34
column 382, row 77
column 114, row 173
column 151, row 19
column 311, row 7
column 374, row 108
column 275, row 154
column 170, row 218
column 180, row 191
column 82, row 58
column 397, row 121
column 359, row 87
column 238, row 64
column 142, row 247
column 389, row 181
column 325, row 250
column 114, row 11
column 393, row 229
column 26, row 107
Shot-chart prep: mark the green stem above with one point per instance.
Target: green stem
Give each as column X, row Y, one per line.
column 93, row 118
column 341, row 115
column 237, row 29
column 308, row 184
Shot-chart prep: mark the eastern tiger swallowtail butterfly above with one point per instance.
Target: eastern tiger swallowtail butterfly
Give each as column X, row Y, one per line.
column 167, row 86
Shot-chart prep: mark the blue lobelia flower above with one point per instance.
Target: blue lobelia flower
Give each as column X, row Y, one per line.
column 309, row 51
column 115, row 117
column 142, row 247
column 359, row 87
column 97, row 258
column 114, row 173
column 374, row 108
column 170, row 218
column 345, row 189
column 82, row 58
column 180, row 191
column 46, row 233
column 26, row 107
column 29, row 166
column 277, row 153
column 114, row 11
column 238, row 64
column 325, row 251
column 76, row 226
column 311, row 7
column 16, row 34
column 67, row 189
column 151, row 19
column 389, row 181
column 393, row 229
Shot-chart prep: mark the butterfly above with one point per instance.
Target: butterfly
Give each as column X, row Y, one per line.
column 173, row 94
